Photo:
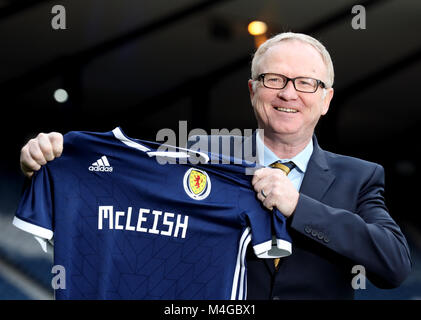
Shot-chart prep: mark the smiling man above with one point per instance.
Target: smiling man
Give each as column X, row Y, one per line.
column 288, row 108
column 333, row 204
column 288, row 97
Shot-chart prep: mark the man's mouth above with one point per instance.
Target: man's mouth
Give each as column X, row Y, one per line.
column 288, row 110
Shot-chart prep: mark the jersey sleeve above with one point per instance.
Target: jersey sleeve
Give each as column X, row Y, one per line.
column 269, row 236
column 34, row 213
column 283, row 245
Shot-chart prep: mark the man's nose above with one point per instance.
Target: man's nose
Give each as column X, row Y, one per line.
column 288, row 93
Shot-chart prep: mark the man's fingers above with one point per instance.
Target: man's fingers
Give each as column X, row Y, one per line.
column 269, row 203
column 56, row 140
column 29, row 171
column 266, row 201
column 260, row 196
column 45, row 146
column 260, row 185
column 266, row 177
column 260, row 174
column 51, row 145
column 35, row 152
column 27, row 164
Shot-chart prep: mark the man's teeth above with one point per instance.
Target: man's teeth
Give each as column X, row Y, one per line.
column 287, row 110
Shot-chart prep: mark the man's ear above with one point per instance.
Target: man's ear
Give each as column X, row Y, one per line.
column 251, row 91
column 250, row 85
column 326, row 100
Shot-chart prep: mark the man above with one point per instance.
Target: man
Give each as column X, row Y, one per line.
column 334, row 204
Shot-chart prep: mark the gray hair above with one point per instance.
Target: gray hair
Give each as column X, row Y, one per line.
column 294, row 36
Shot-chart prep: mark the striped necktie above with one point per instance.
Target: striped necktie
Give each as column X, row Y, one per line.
column 285, row 167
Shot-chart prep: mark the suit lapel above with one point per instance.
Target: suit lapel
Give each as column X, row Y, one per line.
column 318, row 176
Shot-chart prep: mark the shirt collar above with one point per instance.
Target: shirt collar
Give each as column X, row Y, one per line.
column 301, row 160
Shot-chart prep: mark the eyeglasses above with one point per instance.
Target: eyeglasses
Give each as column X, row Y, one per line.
column 279, row 81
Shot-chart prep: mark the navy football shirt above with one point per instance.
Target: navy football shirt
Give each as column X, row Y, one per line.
column 127, row 227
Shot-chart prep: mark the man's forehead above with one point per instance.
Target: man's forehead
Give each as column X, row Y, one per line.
column 294, row 53
column 294, row 45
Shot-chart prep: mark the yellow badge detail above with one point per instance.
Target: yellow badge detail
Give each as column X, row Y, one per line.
column 197, row 181
column 197, row 184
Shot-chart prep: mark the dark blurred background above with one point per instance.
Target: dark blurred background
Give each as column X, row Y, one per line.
column 146, row 65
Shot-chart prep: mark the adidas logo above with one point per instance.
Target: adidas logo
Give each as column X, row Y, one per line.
column 101, row 165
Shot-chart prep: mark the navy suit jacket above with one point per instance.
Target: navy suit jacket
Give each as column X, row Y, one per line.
column 340, row 221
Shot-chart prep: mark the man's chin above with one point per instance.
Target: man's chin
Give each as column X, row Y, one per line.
column 283, row 130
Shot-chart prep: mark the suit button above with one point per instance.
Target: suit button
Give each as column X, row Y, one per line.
column 314, row 233
column 320, row 236
column 326, row 239
column 276, row 298
column 307, row 229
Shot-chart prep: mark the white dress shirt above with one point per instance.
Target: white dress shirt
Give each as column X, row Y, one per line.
column 266, row 157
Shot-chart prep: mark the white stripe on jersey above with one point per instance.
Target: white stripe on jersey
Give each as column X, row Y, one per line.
column 120, row 136
column 32, row 228
column 242, row 295
column 173, row 154
column 239, row 273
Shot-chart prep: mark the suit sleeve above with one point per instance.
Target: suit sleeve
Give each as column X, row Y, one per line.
column 368, row 236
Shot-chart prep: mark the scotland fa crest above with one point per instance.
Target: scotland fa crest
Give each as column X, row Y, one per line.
column 197, row 184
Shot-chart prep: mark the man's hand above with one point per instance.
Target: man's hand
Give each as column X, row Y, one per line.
column 274, row 189
column 37, row 151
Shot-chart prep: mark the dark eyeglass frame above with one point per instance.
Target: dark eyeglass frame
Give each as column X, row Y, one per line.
column 261, row 77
